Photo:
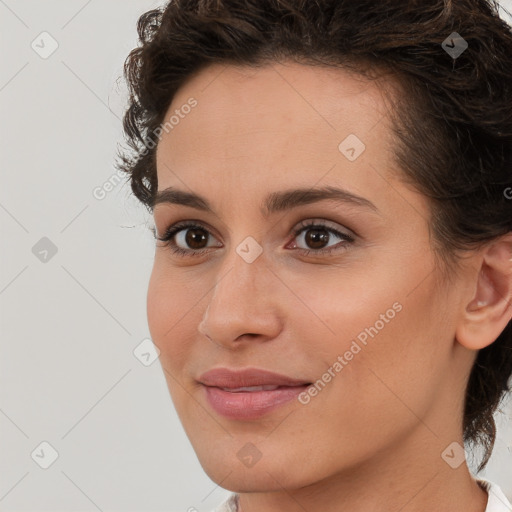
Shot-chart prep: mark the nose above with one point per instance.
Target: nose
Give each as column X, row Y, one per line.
column 243, row 304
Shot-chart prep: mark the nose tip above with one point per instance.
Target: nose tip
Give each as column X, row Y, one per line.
column 234, row 312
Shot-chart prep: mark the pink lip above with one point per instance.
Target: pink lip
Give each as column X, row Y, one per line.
column 226, row 378
column 248, row 404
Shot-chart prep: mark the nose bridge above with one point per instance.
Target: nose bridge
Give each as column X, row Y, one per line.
column 240, row 284
column 244, row 271
column 240, row 302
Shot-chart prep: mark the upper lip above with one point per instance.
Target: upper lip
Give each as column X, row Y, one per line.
column 226, row 378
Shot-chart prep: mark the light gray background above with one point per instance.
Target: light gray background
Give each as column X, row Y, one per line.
column 69, row 325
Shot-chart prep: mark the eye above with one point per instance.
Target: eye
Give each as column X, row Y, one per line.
column 185, row 233
column 316, row 234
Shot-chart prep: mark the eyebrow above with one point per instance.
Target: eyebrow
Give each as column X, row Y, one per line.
column 274, row 202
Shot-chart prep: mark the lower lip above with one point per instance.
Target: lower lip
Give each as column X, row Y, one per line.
column 250, row 405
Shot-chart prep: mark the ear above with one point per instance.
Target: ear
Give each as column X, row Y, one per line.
column 490, row 308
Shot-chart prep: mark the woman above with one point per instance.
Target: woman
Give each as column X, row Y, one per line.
column 332, row 287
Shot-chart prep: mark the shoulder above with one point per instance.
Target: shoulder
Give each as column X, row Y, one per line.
column 229, row 505
column 497, row 501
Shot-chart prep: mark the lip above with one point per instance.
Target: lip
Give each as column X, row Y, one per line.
column 226, row 378
column 248, row 405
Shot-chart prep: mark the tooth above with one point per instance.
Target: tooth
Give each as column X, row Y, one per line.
column 251, row 388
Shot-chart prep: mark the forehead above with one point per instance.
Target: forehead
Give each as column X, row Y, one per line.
column 281, row 122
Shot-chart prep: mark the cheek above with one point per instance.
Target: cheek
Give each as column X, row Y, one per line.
column 157, row 307
column 393, row 342
column 338, row 307
column 170, row 303
column 170, row 314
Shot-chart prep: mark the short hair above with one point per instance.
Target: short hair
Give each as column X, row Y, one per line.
column 451, row 123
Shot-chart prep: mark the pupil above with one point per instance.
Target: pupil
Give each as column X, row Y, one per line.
column 192, row 239
column 319, row 236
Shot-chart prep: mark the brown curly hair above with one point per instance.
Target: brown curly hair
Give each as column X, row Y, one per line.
column 452, row 122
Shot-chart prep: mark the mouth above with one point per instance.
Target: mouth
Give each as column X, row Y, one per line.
column 247, row 379
column 251, row 403
column 249, row 394
column 252, row 389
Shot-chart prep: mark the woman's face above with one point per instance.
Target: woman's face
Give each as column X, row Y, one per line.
column 359, row 316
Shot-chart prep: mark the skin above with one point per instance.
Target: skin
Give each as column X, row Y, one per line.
column 373, row 438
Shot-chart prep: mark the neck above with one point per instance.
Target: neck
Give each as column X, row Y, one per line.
column 410, row 477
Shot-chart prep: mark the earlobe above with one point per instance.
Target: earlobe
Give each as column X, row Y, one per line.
column 489, row 310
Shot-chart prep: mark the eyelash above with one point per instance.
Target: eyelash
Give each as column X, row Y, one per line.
column 173, row 230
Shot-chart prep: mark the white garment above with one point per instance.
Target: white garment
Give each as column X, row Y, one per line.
column 229, row 505
column 497, row 501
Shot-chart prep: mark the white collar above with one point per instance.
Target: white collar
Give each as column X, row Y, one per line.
column 497, row 501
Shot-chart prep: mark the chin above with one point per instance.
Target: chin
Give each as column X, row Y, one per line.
column 266, row 474
column 240, row 479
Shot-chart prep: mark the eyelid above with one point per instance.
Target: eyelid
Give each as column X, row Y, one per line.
column 328, row 225
column 346, row 239
column 181, row 225
column 297, row 226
